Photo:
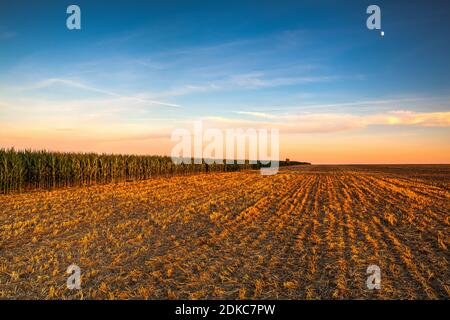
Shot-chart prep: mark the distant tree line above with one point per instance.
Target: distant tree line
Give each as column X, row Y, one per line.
column 26, row 169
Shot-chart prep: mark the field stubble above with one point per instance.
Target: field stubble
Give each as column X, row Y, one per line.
column 306, row 233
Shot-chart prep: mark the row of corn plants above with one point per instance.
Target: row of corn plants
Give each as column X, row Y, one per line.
column 22, row 170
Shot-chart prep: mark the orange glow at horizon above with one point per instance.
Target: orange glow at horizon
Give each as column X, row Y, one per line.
column 335, row 148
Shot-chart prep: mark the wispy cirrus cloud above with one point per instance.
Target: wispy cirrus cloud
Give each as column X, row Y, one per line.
column 259, row 80
column 79, row 85
column 411, row 118
column 334, row 122
column 360, row 103
column 251, row 81
column 257, row 114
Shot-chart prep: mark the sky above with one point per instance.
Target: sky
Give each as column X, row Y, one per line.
column 136, row 71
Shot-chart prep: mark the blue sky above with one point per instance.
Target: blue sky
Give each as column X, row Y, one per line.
column 137, row 70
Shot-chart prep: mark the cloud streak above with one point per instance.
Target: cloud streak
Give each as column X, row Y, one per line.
column 79, row 85
column 334, row 122
column 251, row 81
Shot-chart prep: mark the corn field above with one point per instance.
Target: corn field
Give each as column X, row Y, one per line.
column 27, row 170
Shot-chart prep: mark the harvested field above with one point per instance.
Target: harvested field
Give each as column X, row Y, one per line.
column 308, row 232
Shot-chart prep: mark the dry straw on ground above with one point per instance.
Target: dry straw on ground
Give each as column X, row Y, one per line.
column 305, row 233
